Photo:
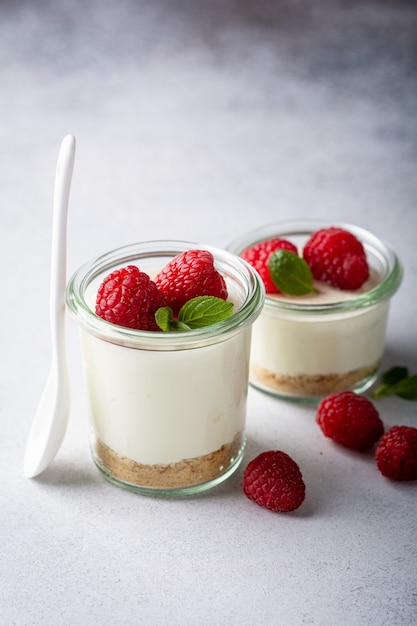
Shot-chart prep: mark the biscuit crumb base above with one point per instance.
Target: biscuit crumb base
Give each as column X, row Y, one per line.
column 186, row 473
column 307, row 385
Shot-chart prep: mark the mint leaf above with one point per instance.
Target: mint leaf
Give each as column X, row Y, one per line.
column 196, row 313
column 165, row 320
column 290, row 273
column 396, row 381
column 204, row 311
column 406, row 388
column 388, row 379
column 394, row 375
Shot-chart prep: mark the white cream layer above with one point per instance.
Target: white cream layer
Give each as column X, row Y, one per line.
column 296, row 343
column 162, row 407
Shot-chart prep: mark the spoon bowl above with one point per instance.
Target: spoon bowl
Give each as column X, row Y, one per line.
column 51, row 418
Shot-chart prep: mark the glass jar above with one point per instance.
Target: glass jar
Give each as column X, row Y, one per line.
column 307, row 347
column 167, row 409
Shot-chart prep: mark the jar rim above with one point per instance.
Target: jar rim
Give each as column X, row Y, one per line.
column 237, row 269
column 389, row 284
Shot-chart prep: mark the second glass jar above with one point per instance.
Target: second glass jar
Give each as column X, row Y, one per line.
column 306, row 348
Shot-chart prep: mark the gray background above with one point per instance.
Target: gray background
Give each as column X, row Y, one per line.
column 201, row 121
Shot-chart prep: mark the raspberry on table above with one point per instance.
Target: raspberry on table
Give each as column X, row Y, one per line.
column 396, row 453
column 127, row 297
column 259, row 254
column 350, row 420
column 188, row 275
column 337, row 257
column 274, row 481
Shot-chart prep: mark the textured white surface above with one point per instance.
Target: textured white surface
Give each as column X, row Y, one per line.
column 201, row 121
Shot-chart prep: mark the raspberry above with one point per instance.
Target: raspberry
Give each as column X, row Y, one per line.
column 188, row 275
column 258, row 256
column 350, row 420
column 396, row 453
column 274, row 481
column 337, row 257
column 128, row 297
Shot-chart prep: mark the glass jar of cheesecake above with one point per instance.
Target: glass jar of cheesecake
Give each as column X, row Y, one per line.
column 167, row 409
column 305, row 347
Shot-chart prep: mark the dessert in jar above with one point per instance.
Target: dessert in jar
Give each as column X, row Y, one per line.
column 332, row 338
column 167, row 407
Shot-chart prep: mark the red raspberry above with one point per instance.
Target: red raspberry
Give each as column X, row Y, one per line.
column 396, row 453
column 188, row 275
column 337, row 257
column 128, row 297
column 273, row 480
column 258, row 256
column 350, row 420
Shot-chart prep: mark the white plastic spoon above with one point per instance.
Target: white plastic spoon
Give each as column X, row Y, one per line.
column 50, row 422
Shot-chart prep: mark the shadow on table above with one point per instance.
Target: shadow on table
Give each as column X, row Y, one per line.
column 69, row 474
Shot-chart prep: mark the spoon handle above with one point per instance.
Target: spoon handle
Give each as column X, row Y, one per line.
column 50, row 421
column 63, row 177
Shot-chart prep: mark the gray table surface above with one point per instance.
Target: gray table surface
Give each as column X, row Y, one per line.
column 201, row 121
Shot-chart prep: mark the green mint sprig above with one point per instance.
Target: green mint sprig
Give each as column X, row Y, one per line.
column 196, row 313
column 164, row 317
column 396, row 381
column 290, row 273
